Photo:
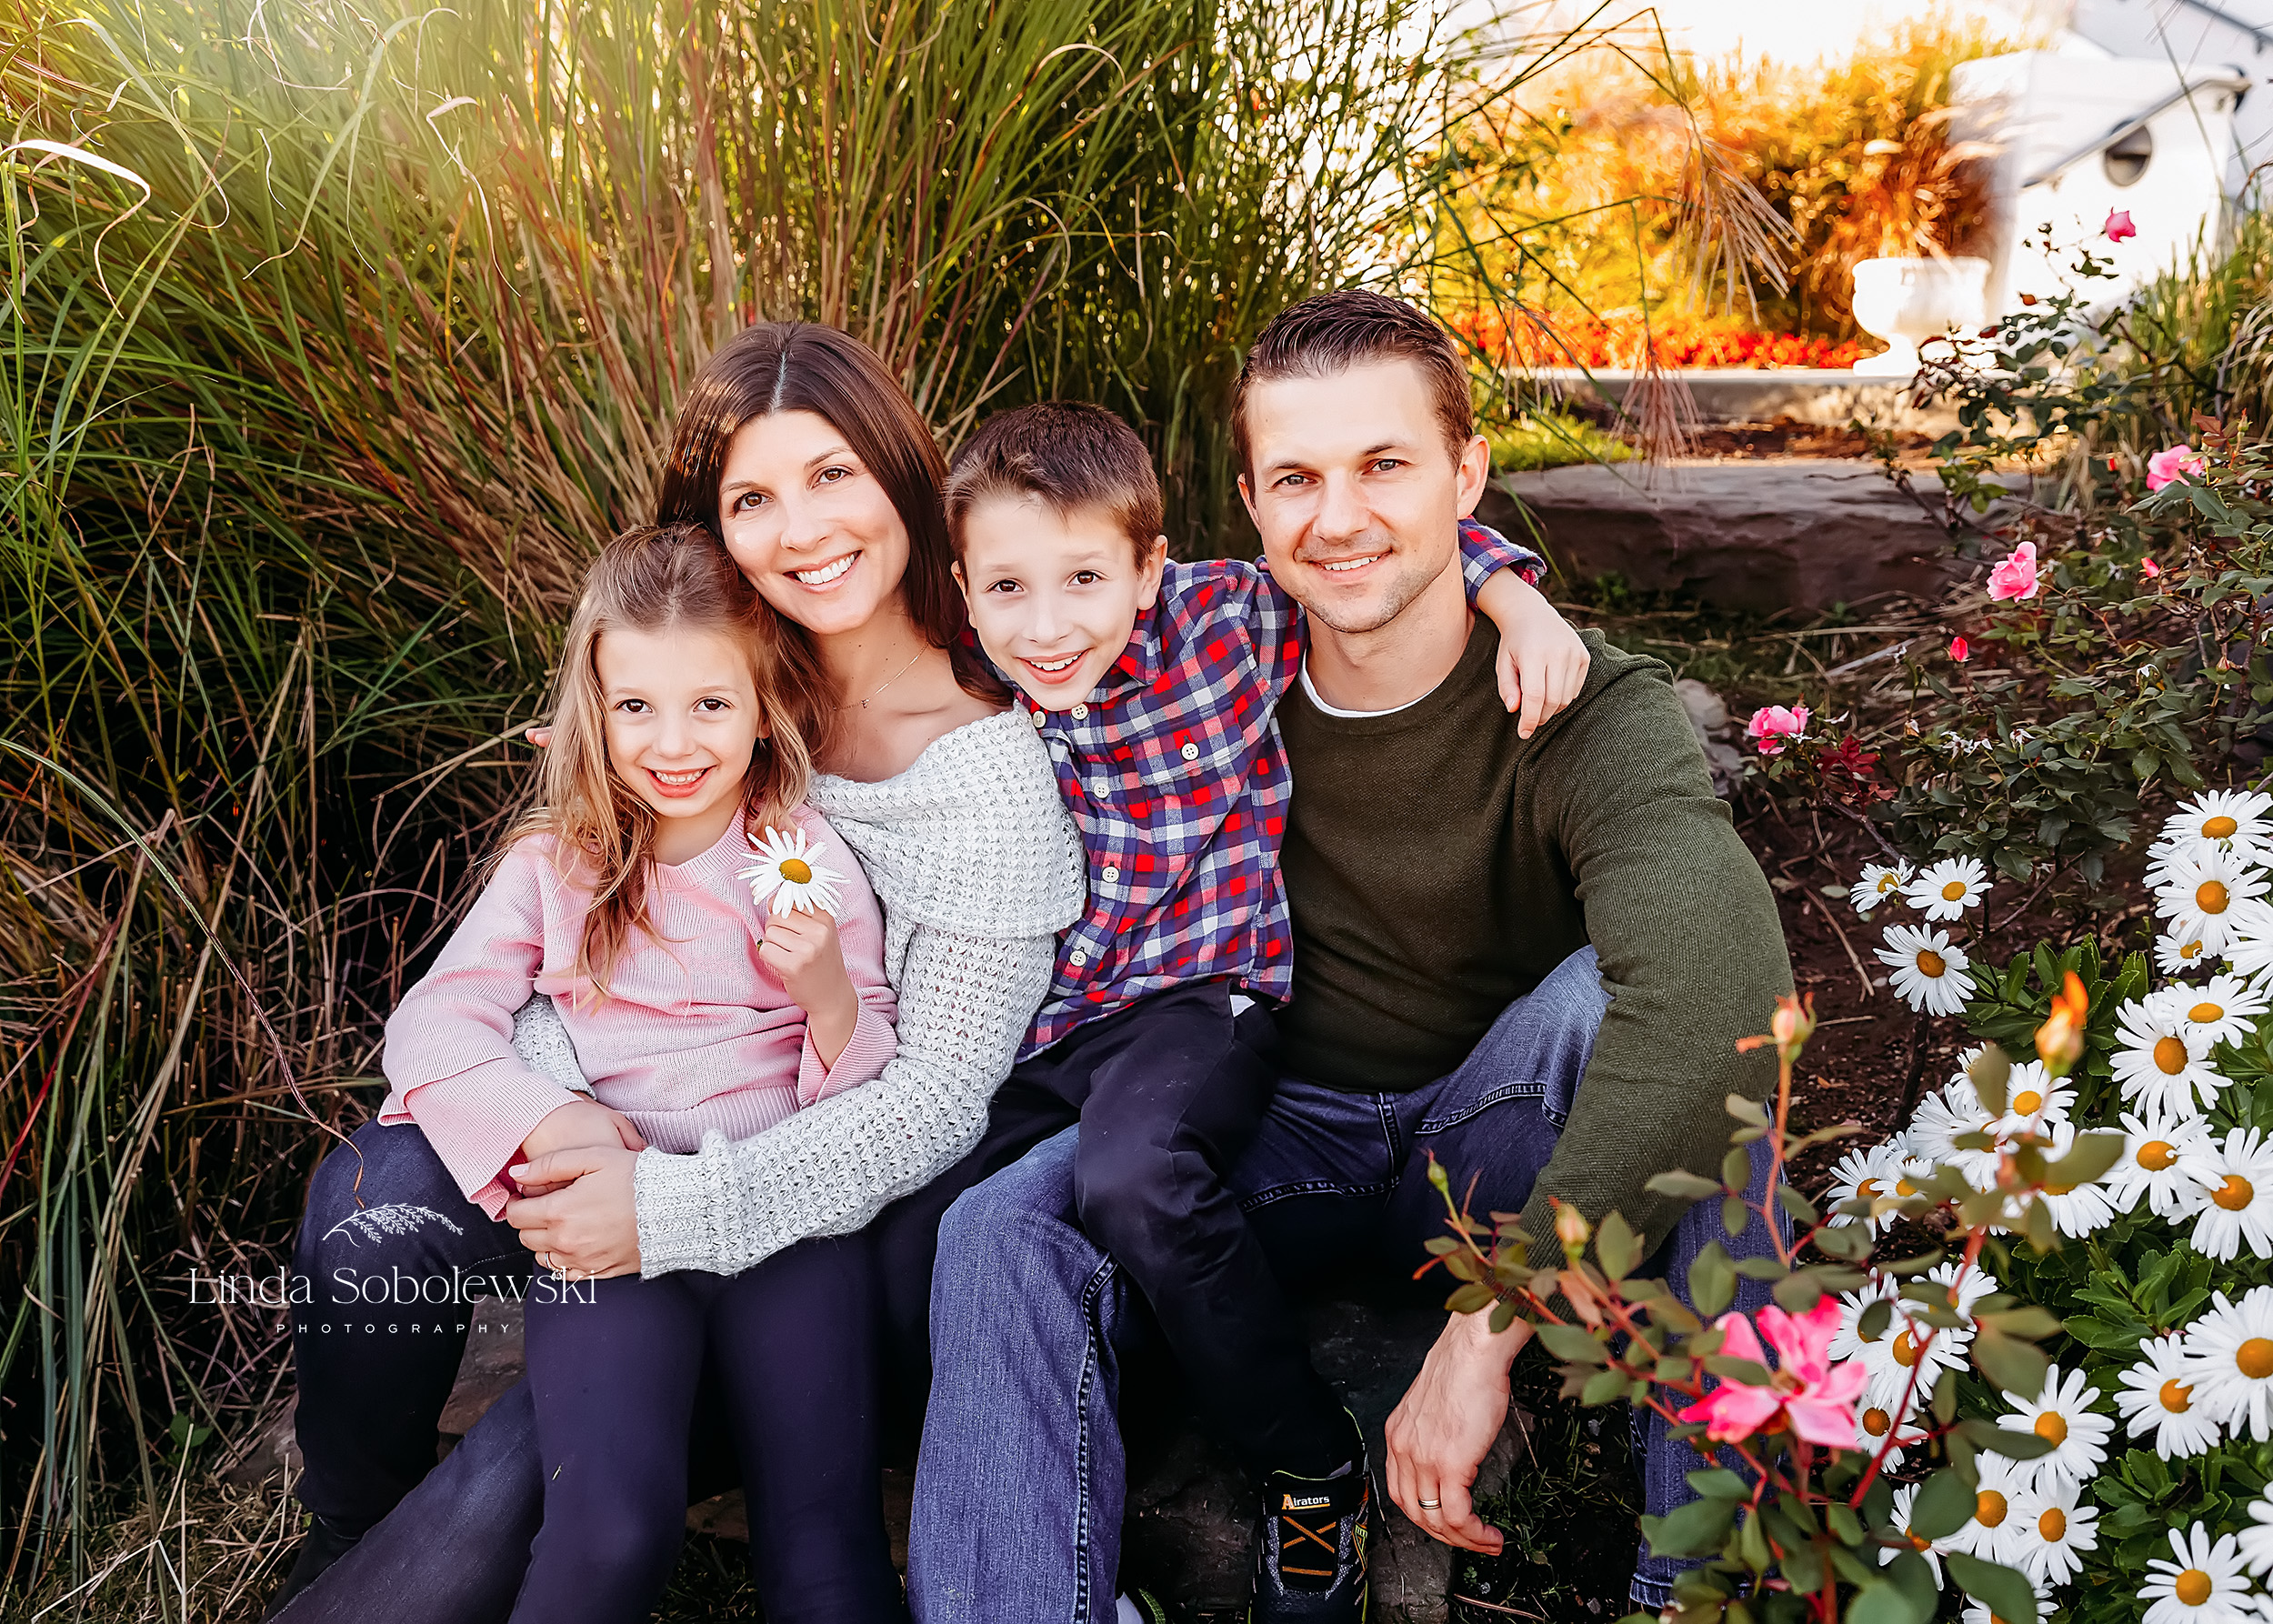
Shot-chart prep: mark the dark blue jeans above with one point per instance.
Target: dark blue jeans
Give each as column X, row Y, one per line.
column 1020, row 1484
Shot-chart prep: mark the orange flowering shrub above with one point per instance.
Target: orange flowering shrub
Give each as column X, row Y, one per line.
column 1626, row 340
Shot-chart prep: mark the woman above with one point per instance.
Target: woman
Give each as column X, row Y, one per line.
column 798, row 448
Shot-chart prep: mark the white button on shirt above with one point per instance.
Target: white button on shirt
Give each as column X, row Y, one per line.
column 1111, row 874
column 1191, row 752
column 1033, row 717
column 1079, row 711
column 1076, row 958
column 1100, row 787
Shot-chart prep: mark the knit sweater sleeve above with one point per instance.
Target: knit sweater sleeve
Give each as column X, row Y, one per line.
column 1691, row 953
column 977, row 866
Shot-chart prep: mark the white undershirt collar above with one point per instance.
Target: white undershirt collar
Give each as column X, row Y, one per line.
column 1311, row 692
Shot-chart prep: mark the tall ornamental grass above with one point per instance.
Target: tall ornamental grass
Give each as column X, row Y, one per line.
column 336, row 337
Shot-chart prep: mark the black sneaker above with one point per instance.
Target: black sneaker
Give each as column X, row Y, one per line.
column 318, row 1551
column 1310, row 1561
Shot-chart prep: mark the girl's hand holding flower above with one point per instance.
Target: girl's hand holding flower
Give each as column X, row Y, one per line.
column 801, row 947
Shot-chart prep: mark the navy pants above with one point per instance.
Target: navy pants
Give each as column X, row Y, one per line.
column 399, row 1265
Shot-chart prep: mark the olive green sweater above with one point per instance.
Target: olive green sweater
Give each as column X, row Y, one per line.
column 1438, row 866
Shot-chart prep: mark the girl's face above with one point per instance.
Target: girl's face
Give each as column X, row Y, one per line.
column 682, row 722
column 810, row 525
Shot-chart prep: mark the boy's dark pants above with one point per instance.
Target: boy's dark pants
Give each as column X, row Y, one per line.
column 1168, row 1092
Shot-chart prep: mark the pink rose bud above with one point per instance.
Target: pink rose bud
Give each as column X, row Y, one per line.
column 2118, row 226
column 1960, row 650
column 1772, row 726
column 2016, row 575
column 2149, row 568
column 2174, row 463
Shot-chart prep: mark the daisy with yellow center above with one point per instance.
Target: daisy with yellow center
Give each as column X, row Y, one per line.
column 1930, row 972
column 1944, row 890
column 1864, row 1176
column 1905, row 1499
column 2034, row 1099
column 2160, row 1063
column 1880, row 882
column 2240, row 821
column 2163, row 1155
column 1989, row 1532
column 2176, row 955
column 2157, row 1396
column 2249, row 947
column 2051, row 1531
column 788, row 875
column 2203, row 1586
column 2061, row 1414
column 2229, row 1362
column 1910, row 1346
column 1882, row 1423
column 2077, row 1209
column 1946, row 1116
column 2257, row 1541
column 2238, row 1174
column 2222, row 1009
column 2200, row 891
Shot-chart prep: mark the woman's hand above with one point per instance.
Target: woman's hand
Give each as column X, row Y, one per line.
column 587, row 1226
column 802, row 948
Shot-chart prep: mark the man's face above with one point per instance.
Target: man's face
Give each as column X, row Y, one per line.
column 1356, row 495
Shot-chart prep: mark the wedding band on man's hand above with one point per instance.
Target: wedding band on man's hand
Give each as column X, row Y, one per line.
column 1429, row 1505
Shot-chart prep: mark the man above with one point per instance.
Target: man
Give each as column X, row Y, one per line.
column 1530, row 959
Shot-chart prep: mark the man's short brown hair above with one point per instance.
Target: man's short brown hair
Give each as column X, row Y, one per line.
column 1333, row 332
column 1073, row 457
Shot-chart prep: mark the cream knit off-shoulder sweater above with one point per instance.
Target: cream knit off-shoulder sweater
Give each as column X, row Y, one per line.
column 979, row 868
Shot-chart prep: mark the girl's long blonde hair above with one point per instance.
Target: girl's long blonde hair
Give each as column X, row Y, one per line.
column 654, row 578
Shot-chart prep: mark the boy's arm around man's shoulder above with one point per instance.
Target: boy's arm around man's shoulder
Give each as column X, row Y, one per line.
column 1689, row 942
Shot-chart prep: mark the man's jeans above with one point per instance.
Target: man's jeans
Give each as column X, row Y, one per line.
column 1020, row 1484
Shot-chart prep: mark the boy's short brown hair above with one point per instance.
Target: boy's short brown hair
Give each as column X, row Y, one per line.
column 1332, row 332
column 1072, row 456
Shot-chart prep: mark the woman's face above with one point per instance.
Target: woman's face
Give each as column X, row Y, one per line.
column 810, row 525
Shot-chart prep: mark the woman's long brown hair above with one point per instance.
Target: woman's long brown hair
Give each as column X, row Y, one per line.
column 656, row 579
column 799, row 366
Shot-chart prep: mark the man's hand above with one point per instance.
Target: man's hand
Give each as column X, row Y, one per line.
column 1542, row 662
column 588, row 1226
column 576, row 1125
column 1447, row 1423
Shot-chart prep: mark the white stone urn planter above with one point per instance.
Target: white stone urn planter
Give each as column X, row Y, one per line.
column 1907, row 301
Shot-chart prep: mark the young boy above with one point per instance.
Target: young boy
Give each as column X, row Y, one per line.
column 1154, row 685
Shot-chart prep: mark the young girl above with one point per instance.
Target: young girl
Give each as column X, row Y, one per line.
column 716, row 958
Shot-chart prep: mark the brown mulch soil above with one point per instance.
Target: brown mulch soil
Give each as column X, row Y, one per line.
column 1788, row 436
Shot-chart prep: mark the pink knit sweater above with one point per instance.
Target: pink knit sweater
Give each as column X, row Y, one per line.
column 697, row 1033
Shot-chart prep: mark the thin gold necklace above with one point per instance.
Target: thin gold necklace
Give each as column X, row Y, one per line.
column 889, row 681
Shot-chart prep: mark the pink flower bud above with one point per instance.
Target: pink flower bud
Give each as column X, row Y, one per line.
column 1960, row 650
column 2149, row 568
column 2016, row 575
column 2118, row 226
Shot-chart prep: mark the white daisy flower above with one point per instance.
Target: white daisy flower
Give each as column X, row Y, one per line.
column 2249, row 946
column 2051, row 1532
column 2239, row 1175
column 1879, row 882
column 2159, row 1062
column 2204, row 1586
column 1904, row 1498
column 2163, row 1157
column 2062, row 1414
column 2157, row 1396
column 1910, row 1343
column 1875, row 1417
column 2240, row 821
column 2229, row 1362
column 1847, row 1341
column 1989, row 1532
column 2199, row 893
column 2223, row 1010
column 1944, row 890
column 2257, row 1539
column 2077, row 1209
column 2175, row 955
column 1944, row 1117
column 1930, row 971
column 1863, row 1176
column 789, row 875
column 1977, row 1613
column 2034, row 1099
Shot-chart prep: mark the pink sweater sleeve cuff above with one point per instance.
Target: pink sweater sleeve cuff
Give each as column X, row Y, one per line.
column 873, row 1042
column 477, row 1120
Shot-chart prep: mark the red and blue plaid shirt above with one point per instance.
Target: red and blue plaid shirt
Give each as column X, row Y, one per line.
column 1175, row 778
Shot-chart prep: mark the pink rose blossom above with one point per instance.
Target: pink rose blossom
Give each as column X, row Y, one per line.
column 1815, row 1396
column 2173, row 464
column 2016, row 575
column 1772, row 727
column 1960, row 650
column 2118, row 226
column 2149, row 568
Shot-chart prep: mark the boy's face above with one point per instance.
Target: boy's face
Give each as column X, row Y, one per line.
column 1054, row 595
